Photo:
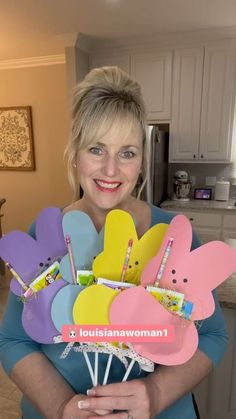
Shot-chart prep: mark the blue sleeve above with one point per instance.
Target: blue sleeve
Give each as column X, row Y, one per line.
column 15, row 344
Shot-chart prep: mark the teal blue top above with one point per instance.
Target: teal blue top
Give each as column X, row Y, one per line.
column 15, row 344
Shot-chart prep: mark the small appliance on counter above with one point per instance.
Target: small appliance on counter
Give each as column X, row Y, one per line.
column 222, row 188
column 182, row 186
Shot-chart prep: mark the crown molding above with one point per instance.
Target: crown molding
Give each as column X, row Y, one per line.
column 32, row 61
column 96, row 45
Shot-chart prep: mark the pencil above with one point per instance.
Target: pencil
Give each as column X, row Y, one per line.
column 163, row 262
column 71, row 258
column 126, row 261
column 17, row 277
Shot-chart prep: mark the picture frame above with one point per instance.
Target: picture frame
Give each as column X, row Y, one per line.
column 16, row 138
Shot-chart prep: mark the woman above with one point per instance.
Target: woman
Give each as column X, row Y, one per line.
column 106, row 154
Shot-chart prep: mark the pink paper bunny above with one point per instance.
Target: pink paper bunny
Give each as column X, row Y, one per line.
column 194, row 273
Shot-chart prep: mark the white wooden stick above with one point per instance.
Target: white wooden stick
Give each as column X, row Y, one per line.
column 89, row 367
column 96, row 369
column 107, row 369
column 129, row 370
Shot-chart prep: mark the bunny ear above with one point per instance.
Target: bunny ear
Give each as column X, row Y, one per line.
column 85, row 241
column 119, row 229
column 144, row 249
column 213, row 263
column 205, row 268
column 49, row 231
column 23, row 254
column 180, row 230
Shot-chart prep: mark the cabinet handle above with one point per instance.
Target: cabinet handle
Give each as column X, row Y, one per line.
column 194, row 156
column 191, row 219
column 202, row 157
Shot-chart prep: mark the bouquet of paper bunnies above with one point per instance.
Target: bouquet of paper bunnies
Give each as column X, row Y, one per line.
column 73, row 275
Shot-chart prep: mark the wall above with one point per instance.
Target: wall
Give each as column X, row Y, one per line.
column 44, row 88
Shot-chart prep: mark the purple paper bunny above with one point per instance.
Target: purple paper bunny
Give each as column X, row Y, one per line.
column 27, row 257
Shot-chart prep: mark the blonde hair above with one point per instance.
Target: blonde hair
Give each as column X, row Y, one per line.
column 105, row 97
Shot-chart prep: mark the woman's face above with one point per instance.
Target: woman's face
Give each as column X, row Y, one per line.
column 108, row 170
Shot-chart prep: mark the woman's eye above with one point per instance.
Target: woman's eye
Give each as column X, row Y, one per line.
column 127, row 154
column 95, row 150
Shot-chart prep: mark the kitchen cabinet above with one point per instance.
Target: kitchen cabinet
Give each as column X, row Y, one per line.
column 203, row 104
column 210, row 224
column 153, row 71
column 206, row 225
column 216, row 395
column 229, row 226
column 121, row 61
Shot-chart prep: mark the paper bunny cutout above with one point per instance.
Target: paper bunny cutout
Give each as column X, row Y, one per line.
column 136, row 306
column 62, row 305
column 194, row 273
column 26, row 254
column 86, row 242
column 36, row 316
column 119, row 229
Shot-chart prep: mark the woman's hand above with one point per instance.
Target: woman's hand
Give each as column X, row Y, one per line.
column 70, row 409
column 134, row 399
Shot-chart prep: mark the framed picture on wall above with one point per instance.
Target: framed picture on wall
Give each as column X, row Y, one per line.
column 16, row 139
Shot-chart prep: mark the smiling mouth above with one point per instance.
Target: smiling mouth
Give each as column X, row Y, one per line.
column 107, row 186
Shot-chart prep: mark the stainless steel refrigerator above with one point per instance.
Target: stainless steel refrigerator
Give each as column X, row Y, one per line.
column 156, row 190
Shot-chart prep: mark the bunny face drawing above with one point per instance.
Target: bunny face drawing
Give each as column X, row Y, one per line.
column 119, row 229
column 194, row 273
column 27, row 256
column 86, row 243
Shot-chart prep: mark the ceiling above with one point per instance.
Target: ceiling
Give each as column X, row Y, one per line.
column 31, row 28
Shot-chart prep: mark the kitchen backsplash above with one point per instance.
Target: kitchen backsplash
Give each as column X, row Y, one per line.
column 200, row 171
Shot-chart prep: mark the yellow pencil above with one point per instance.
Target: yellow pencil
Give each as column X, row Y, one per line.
column 126, row 261
column 17, row 277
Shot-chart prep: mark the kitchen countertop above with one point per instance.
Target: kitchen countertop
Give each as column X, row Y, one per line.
column 199, row 204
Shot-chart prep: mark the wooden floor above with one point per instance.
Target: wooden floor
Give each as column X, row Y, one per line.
column 9, row 394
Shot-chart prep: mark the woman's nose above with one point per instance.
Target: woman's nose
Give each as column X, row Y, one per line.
column 111, row 166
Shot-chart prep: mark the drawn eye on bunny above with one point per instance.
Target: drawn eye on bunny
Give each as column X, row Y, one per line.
column 194, row 273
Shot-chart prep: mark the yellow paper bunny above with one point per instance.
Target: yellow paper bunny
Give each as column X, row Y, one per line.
column 119, row 229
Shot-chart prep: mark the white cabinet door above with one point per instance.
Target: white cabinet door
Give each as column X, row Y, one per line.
column 121, row 61
column 216, row 395
column 187, row 88
column 203, row 104
column 207, row 234
column 153, row 72
column 217, row 103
